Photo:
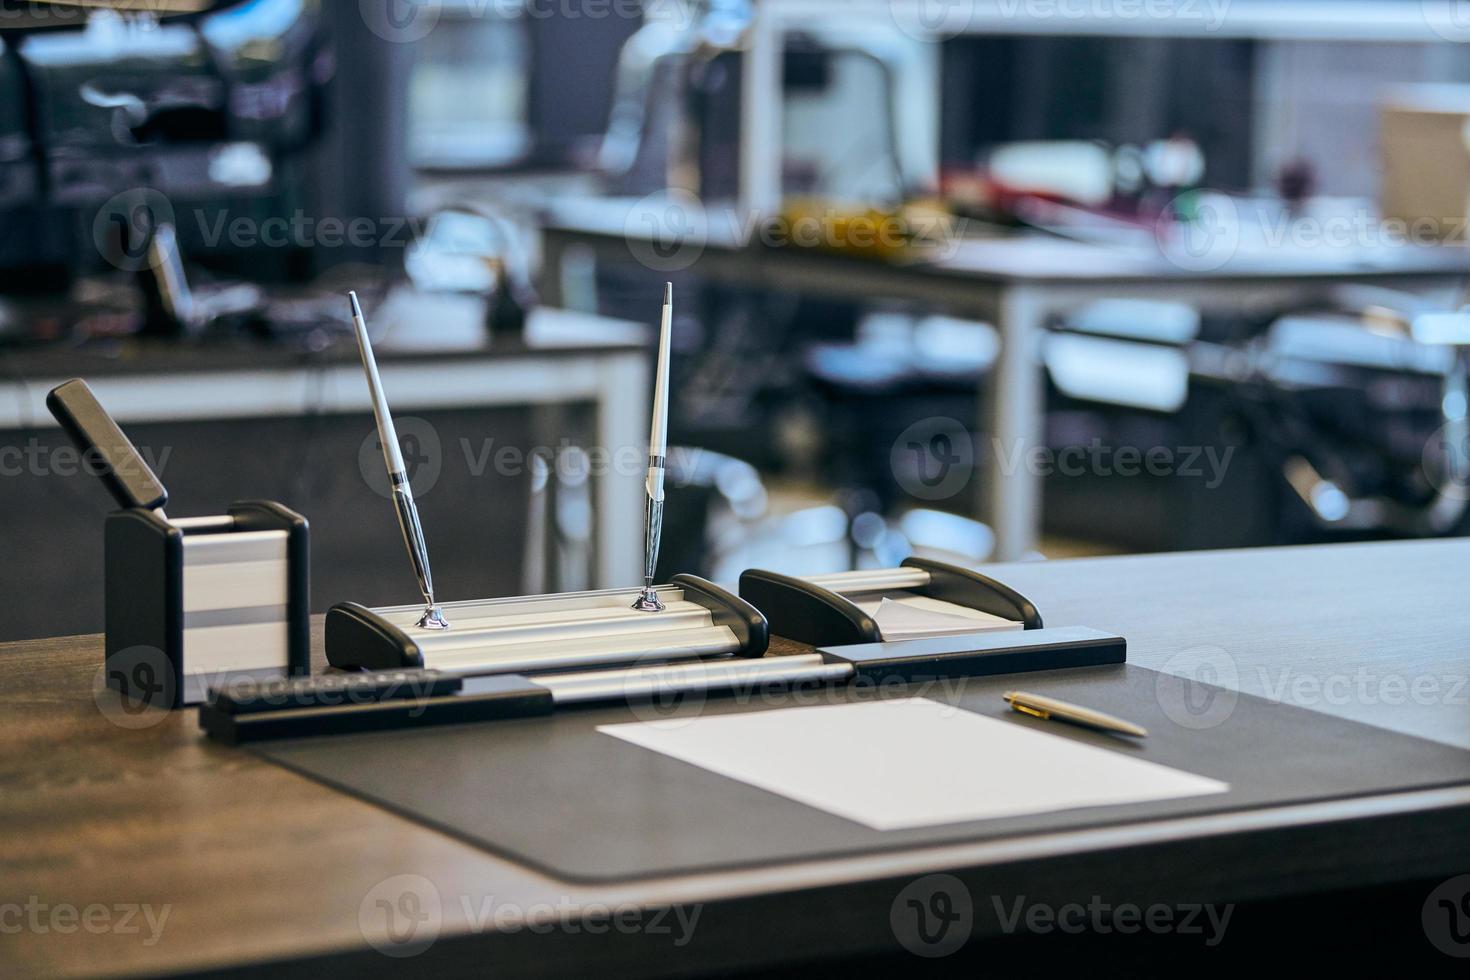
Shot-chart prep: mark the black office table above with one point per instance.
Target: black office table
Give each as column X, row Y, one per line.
column 260, row 867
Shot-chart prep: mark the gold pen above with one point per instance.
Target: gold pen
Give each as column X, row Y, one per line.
column 1051, row 709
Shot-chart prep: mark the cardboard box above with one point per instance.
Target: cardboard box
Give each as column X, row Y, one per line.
column 1424, row 139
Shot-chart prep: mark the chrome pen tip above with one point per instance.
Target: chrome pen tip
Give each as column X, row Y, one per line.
column 356, row 307
column 648, row 601
column 433, row 619
column 668, row 294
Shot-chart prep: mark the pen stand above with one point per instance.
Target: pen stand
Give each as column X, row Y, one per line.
column 549, row 632
column 195, row 603
column 837, row 614
column 824, row 610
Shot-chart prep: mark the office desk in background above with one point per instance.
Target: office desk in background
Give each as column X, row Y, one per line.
column 263, row 868
column 261, row 421
column 1019, row 285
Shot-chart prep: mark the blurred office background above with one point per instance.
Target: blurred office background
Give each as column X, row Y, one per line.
column 1080, row 278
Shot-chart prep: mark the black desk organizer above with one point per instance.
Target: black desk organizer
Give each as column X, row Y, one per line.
column 820, row 611
column 198, row 602
column 194, row 603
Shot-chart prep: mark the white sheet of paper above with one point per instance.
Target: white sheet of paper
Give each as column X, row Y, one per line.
column 912, row 762
column 913, row 617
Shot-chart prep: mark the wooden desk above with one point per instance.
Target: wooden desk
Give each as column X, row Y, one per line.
column 1020, row 285
column 261, row 866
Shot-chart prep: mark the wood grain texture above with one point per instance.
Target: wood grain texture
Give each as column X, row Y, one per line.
column 257, row 865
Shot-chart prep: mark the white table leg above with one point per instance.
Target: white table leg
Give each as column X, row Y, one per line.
column 1015, row 410
column 623, row 405
column 761, row 107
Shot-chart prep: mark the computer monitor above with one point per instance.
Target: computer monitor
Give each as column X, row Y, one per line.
column 245, row 124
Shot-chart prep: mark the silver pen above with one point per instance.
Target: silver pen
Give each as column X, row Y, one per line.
column 408, row 512
column 658, row 448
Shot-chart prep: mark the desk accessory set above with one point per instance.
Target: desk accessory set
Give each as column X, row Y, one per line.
column 191, row 603
column 438, row 662
column 525, row 656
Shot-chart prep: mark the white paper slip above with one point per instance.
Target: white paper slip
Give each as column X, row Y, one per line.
column 914, row 617
column 912, row 762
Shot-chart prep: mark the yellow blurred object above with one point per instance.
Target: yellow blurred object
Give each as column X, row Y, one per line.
column 882, row 234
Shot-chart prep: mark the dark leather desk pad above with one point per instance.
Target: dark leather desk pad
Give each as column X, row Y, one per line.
column 555, row 794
